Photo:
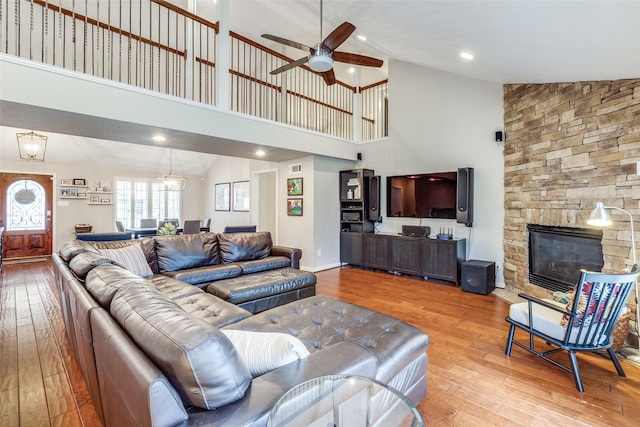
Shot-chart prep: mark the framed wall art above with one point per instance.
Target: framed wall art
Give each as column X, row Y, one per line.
column 66, row 181
column 223, row 192
column 294, row 187
column 79, row 182
column 241, row 196
column 294, row 207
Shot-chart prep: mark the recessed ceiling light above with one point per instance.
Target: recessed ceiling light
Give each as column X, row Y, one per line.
column 466, row 55
column 352, row 70
column 361, row 37
column 260, row 153
column 158, row 138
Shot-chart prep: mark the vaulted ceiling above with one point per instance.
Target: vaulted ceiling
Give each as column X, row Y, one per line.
column 513, row 41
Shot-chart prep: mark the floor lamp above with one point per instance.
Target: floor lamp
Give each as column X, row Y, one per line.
column 600, row 218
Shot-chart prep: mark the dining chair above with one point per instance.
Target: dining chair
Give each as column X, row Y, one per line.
column 148, row 223
column 584, row 325
column 119, row 226
column 191, row 226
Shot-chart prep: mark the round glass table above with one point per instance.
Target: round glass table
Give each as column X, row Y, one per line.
column 344, row 400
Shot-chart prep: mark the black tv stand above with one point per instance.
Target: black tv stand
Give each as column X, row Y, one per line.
column 398, row 254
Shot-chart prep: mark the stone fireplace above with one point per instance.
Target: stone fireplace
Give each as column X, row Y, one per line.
column 568, row 146
column 557, row 254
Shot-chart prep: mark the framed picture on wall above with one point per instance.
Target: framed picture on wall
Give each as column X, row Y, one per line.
column 294, row 207
column 223, row 192
column 294, row 187
column 241, row 196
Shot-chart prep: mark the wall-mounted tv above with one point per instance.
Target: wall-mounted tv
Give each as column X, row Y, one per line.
column 427, row 195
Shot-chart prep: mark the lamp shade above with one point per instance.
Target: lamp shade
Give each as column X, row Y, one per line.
column 32, row 146
column 599, row 217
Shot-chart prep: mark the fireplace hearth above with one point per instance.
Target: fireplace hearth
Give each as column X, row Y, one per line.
column 557, row 254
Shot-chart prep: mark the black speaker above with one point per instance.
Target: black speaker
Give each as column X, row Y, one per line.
column 374, row 198
column 499, row 136
column 464, row 204
column 478, row 276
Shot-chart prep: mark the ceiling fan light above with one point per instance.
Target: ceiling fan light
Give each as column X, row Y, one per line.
column 320, row 63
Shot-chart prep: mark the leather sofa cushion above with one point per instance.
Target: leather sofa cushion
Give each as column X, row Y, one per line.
column 255, row 286
column 198, row 359
column 185, row 251
column 212, row 310
column 73, row 248
column 244, row 246
column 172, row 288
column 105, row 280
column 202, row 276
column 84, row 262
column 268, row 263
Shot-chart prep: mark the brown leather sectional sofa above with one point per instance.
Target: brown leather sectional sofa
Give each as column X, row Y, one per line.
column 158, row 350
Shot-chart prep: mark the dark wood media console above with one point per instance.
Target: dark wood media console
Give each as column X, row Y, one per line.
column 418, row 256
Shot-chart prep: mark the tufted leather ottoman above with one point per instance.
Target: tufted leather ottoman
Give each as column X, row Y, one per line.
column 320, row 322
column 264, row 290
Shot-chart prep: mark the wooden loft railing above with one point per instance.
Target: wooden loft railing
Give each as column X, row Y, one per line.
column 156, row 45
column 143, row 43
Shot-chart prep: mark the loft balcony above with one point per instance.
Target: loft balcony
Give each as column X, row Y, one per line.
column 157, row 46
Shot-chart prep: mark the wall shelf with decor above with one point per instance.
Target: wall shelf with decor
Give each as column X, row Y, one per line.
column 100, row 198
column 73, row 188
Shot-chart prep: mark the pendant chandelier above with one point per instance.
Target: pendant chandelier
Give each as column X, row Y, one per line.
column 32, row 146
column 171, row 181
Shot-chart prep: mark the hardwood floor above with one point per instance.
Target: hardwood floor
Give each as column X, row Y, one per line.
column 470, row 380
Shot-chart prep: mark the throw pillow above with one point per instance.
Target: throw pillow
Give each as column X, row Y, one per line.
column 130, row 257
column 265, row 351
column 599, row 306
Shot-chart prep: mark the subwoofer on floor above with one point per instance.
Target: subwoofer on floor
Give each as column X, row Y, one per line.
column 478, row 276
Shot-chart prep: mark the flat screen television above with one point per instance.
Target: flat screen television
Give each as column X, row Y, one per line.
column 427, row 195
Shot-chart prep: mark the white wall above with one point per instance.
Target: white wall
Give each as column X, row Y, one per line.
column 230, row 170
column 440, row 122
column 326, row 231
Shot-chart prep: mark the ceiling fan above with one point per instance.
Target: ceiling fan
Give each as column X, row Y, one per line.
column 322, row 55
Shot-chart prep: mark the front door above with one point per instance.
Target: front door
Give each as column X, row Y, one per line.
column 25, row 214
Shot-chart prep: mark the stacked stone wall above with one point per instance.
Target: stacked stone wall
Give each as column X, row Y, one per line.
column 568, row 146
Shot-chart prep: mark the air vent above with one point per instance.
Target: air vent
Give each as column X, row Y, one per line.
column 296, row 168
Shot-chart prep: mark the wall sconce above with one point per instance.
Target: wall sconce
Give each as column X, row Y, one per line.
column 32, row 146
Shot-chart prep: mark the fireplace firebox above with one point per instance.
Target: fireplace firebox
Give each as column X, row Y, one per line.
column 557, row 254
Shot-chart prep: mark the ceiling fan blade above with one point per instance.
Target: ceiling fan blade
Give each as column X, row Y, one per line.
column 290, row 65
column 338, row 36
column 329, row 77
column 286, row 42
column 352, row 58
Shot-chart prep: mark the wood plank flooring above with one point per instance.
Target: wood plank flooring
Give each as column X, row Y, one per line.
column 470, row 380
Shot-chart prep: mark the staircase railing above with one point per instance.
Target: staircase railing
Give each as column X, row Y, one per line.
column 156, row 45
